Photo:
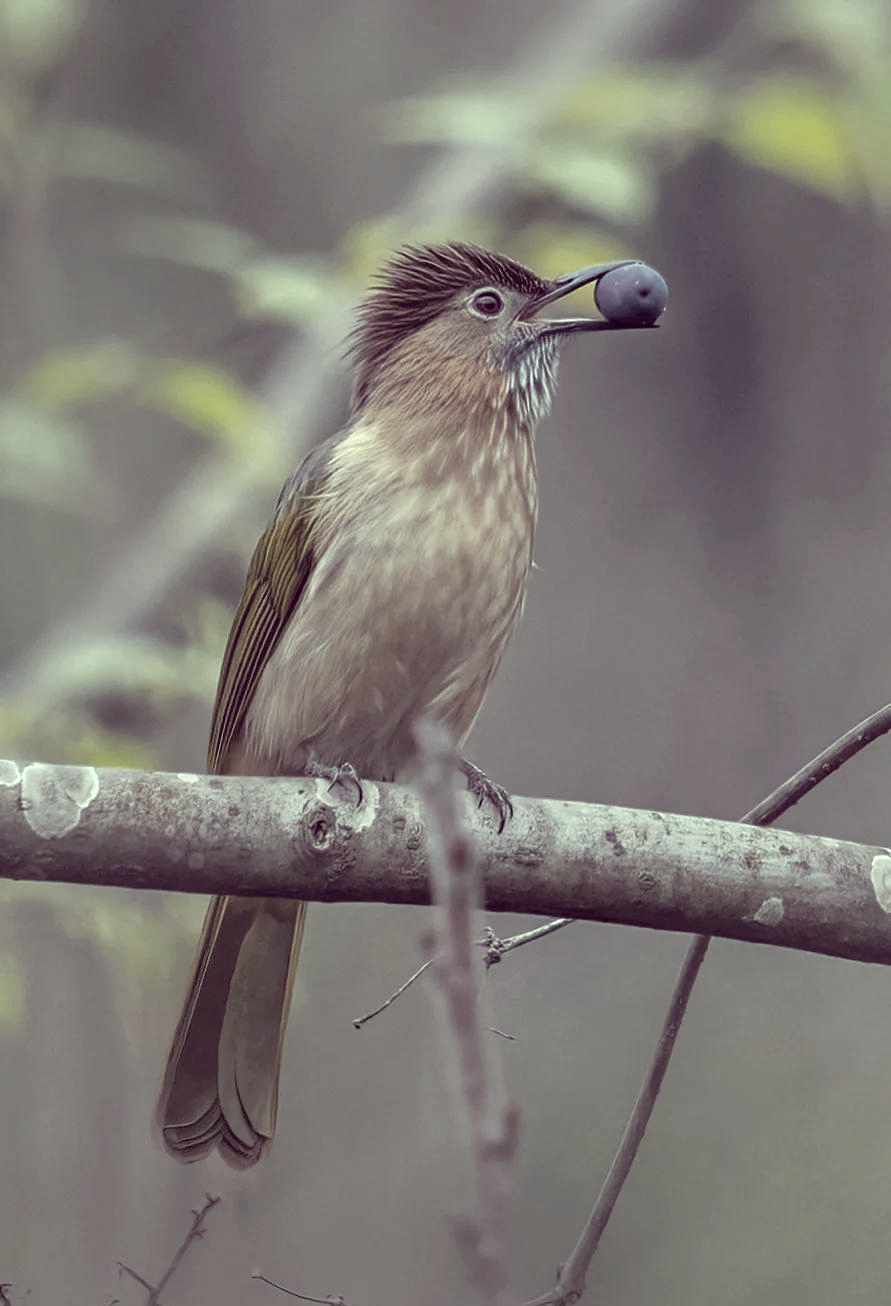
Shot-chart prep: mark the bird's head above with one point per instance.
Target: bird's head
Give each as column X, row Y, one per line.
column 449, row 319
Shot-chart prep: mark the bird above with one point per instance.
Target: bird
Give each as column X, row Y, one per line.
column 385, row 587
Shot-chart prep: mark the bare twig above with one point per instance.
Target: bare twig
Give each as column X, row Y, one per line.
column 334, row 1300
column 820, row 768
column 197, row 1231
column 125, row 1269
column 496, row 948
column 492, row 1119
column 570, row 1283
column 363, row 1020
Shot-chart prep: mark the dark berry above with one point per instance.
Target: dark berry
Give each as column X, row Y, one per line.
column 634, row 295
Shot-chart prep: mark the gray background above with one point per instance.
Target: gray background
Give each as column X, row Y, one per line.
column 710, row 611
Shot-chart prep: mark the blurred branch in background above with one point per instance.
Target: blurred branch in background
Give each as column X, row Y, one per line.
column 492, row 1118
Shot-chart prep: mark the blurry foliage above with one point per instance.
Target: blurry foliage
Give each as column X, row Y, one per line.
column 45, row 459
column 34, row 34
column 262, row 282
column 103, row 691
column 94, row 152
column 67, row 734
column 143, row 669
column 201, row 396
column 793, row 127
column 141, row 946
column 821, row 116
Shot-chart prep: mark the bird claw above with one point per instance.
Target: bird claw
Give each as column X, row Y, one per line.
column 482, row 789
column 344, row 775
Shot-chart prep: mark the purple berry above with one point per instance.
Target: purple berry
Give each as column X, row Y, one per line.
column 633, row 295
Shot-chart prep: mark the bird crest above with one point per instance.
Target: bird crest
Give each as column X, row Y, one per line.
column 415, row 286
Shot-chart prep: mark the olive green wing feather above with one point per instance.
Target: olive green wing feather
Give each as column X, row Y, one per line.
column 276, row 578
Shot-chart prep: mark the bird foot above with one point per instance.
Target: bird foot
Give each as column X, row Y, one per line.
column 482, row 788
column 343, row 775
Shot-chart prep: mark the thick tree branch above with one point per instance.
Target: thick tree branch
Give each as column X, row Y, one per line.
column 296, row 838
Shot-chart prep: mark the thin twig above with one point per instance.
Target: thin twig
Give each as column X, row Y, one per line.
column 492, row 1119
column 497, row 948
column 571, row 1278
column 144, row 1283
column 197, row 1230
column 335, row 1300
column 822, row 766
column 362, row 1020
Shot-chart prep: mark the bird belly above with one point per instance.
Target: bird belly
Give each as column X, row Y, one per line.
column 407, row 612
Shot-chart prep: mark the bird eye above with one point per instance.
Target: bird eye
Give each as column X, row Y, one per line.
column 487, row 303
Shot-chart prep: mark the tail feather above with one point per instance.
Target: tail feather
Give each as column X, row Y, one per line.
column 220, row 1084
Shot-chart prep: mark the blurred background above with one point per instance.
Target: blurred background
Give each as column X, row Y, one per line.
column 192, row 197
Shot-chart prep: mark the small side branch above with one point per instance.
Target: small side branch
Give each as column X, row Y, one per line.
column 570, row 1284
column 197, row 1231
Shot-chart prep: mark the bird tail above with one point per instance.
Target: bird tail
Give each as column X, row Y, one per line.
column 220, row 1084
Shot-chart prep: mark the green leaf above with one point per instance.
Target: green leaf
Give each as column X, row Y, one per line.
column 289, row 289
column 141, row 944
column 867, row 110
column 492, row 115
column 66, row 735
column 553, row 248
column 36, row 33
column 850, row 34
column 210, row 401
column 138, row 666
column 643, row 105
column 210, row 246
column 611, row 186
column 95, row 152
column 798, row 129
column 73, row 378
column 45, row 459
column 141, row 940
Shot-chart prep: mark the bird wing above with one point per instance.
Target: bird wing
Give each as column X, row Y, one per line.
column 276, row 578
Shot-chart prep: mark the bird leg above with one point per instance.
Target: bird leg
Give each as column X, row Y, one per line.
column 343, row 775
column 482, row 788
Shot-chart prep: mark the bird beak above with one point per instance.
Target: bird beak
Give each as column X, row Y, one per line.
column 565, row 285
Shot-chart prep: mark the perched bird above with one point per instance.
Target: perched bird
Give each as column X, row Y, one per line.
column 385, row 587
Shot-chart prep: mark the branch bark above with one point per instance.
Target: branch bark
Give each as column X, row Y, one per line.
column 298, row 838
